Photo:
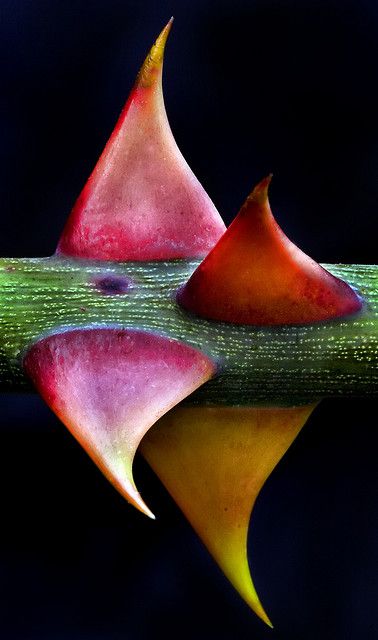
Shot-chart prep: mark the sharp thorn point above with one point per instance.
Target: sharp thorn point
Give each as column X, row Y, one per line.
column 151, row 70
column 132, row 495
column 260, row 191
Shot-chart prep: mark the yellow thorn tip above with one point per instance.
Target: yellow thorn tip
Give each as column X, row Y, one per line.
column 214, row 461
column 153, row 64
column 239, row 575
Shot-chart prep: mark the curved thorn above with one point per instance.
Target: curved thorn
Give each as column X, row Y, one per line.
column 151, row 70
column 109, row 386
column 214, row 462
column 255, row 275
column 142, row 201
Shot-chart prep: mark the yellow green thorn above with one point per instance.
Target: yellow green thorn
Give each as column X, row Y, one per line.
column 151, row 69
column 233, row 561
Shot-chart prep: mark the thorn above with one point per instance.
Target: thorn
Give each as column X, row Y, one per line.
column 133, row 496
column 214, row 462
column 142, row 201
column 109, row 386
column 151, row 69
column 256, row 276
column 260, row 191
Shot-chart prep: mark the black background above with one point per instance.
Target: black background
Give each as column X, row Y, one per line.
column 250, row 88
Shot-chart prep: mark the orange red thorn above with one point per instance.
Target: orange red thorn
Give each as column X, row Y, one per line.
column 255, row 275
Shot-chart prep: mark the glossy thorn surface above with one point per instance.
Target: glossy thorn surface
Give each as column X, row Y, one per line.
column 255, row 275
column 142, row 201
column 214, row 462
column 109, row 386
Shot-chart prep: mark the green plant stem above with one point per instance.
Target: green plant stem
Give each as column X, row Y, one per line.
column 258, row 365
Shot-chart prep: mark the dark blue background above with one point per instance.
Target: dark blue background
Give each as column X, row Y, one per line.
column 288, row 87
